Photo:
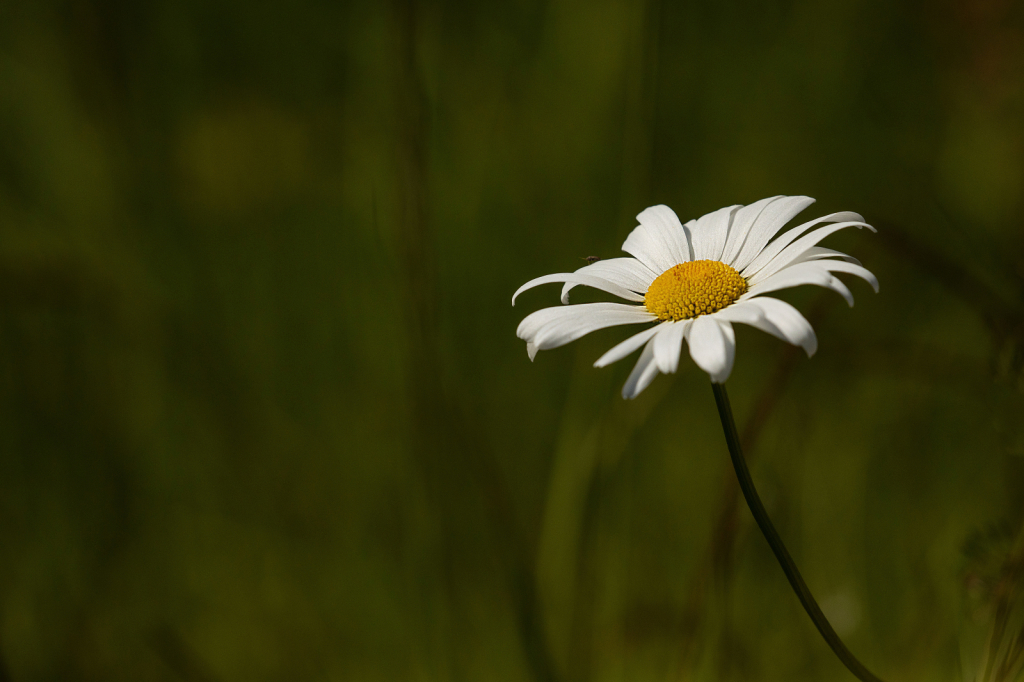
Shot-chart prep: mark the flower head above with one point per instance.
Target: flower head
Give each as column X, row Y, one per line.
column 694, row 281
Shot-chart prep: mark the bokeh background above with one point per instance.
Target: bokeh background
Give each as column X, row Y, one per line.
column 263, row 413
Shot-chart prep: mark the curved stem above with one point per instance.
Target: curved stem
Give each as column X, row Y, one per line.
column 779, row 549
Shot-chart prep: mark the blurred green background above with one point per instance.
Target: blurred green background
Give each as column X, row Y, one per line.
column 263, row 413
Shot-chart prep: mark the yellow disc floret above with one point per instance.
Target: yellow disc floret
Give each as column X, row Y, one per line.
column 695, row 288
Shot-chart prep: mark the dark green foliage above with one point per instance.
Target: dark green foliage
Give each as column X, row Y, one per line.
column 263, row 414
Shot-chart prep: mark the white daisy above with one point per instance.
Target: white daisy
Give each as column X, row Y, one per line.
column 694, row 281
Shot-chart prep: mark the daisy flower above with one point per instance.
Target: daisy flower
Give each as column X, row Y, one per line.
column 694, row 281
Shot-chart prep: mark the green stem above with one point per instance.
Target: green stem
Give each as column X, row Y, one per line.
column 772, row 536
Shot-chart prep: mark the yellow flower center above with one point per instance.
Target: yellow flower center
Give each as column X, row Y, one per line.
column 695, row 288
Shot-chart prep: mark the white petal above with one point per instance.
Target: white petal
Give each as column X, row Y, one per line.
column 542, row 326
column 811, row 272
column 741, row 224
column 759, row 321
column 709, row 232
column 531, row 350
column 773, row 249
column 643, row 373
column 667, row 344
column 853, row 269
column 561, row 332
column 819, row 252
column 772, row 219
column 740, row 311
column 623, row 349
column 590, row 280
column 836, row 285
column 659, row 242
column 708, row 345
column 785, row 322
column 730, row 350
column 793, row 276
column 792, row 252
column 628, row 273
column 666, row 222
